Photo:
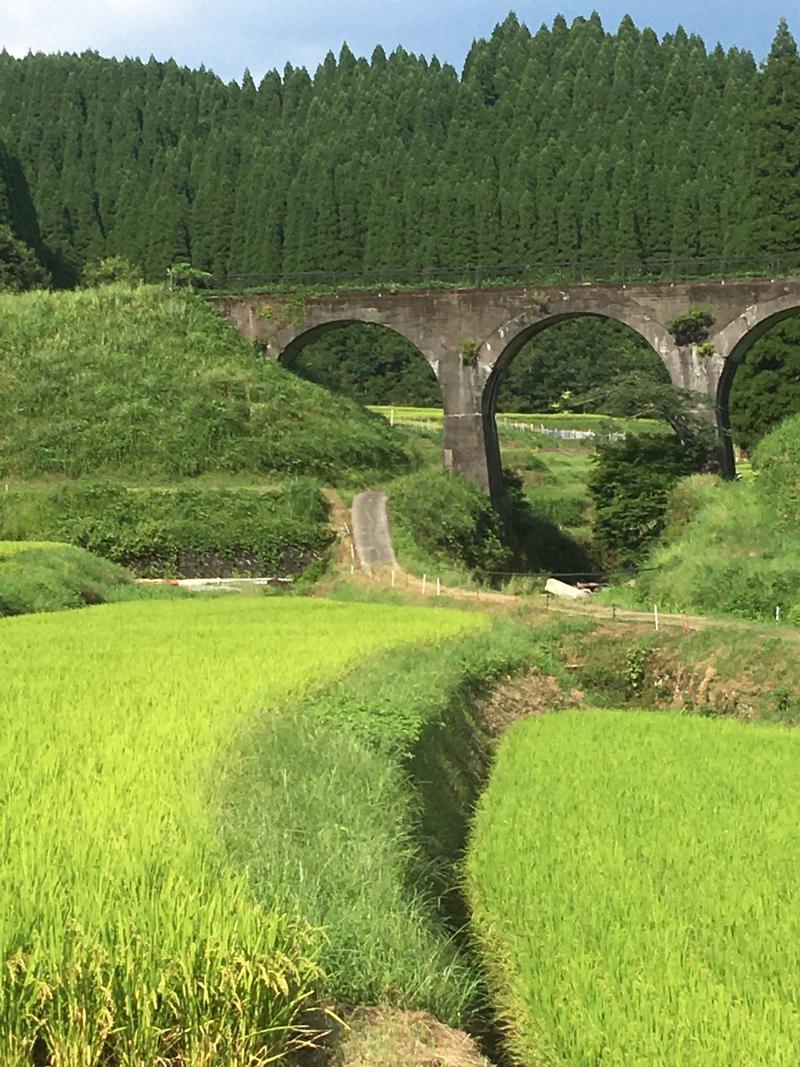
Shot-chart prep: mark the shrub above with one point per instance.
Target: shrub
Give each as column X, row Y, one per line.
column 630, row 486
column 53, row 577
column 692, row 327
column 777, row 460
column 111, row 270
column 450, row 520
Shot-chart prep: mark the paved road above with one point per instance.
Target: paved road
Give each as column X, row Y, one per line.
column 371, row 535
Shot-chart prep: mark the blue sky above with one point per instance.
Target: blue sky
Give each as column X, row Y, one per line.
column 262, row 34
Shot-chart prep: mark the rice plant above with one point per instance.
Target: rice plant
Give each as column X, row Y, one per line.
column 634, row 882
column 127, row 935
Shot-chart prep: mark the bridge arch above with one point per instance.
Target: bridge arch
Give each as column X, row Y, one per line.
column 500, row 349
column 734, row 342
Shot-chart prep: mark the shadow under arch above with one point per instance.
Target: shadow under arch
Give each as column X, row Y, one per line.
column 735, row 359
column 507, row 355
column 333, row 328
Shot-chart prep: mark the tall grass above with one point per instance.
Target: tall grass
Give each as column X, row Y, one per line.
column 634, row 880
column 127, row 934
column 144, row 383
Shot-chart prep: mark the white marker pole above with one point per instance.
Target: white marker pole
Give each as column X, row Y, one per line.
column 424, row 583
column 655, row 615
column 438, row 587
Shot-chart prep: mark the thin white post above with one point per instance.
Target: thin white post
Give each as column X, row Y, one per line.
column 391, row 417
column 655, row 615
column 438, row 587
column 778, row 613
column 424, row 583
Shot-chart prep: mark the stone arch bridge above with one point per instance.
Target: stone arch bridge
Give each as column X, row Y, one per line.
column 470, row 336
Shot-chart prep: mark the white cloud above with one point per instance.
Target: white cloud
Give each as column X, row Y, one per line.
column 104, row 25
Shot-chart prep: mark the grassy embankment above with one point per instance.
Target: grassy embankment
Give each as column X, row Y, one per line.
column 129, row 921
column 634, row 886
column 731, row 548
column 145, row 391
column 37, row 577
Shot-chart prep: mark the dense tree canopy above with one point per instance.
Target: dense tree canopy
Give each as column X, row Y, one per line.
column 567, row 142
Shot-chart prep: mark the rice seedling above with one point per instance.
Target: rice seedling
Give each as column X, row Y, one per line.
column 127, row 934
column 634, row 883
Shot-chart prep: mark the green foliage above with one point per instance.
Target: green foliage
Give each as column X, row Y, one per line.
column 142, row 382
column 322, row 172
column 111, row 270
column 188, row 532
column 776, row 154
column 19, row 267
column 777, row 460
column 581, row 357
column 152, row 942
column 724, row 552
column 623, row 862
column 370, row 364
column 184, row 275
column 766, row 387
column 630, row 486
column 468, row 351
column 692, row 327
column 53, row 577
column 449, row 520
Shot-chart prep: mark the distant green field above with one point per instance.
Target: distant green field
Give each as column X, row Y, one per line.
column 127, row 935
column 550, row 420
column 634, row 879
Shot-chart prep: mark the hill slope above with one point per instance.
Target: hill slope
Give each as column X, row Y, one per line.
column 146, row 383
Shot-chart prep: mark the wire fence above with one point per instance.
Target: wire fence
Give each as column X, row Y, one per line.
column 567, row 272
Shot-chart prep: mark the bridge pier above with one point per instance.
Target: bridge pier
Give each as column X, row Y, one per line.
column 469, row 336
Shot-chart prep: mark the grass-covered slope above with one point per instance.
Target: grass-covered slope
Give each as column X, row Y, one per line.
column 187, row 531
column 147, row 383
column 731, row 548
column 634, row 884
column 50, row 577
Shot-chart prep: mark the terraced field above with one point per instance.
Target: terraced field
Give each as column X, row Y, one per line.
column 634, row 881
column 127, row 933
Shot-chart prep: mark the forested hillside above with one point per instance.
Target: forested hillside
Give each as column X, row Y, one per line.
column 568, row 142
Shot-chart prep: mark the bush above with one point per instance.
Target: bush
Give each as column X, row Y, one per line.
column 110, row 271
column 630, row 485
column 54, row 577
column 185, row 532
column 777, row 460
column 450, row 520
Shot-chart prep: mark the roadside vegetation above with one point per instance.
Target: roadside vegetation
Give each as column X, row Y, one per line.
column 186, row 531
